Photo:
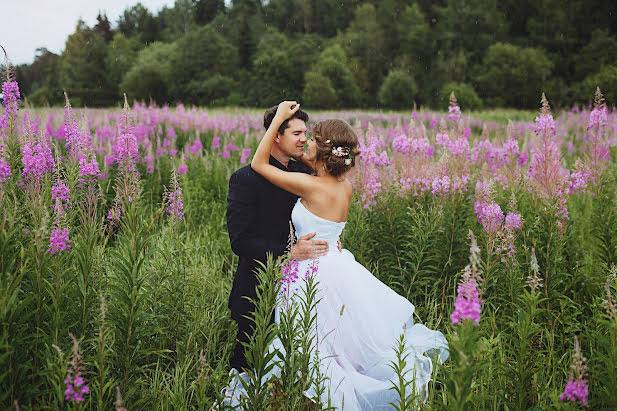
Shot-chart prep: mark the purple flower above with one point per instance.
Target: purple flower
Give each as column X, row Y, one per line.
column 468, row 303
column 171, row 133
column 114, row 214
column 75, row 389
column 12, row 101
column 454, row 112
column 89, row 168
column 37, row 158
column 489, row 215
column 513, row 221
column 216, row 143
column 59, row 240
column 576, row 387
column 60, row 198
column 5, row 169
column 576, row 390
column 182, row 169
column 246, row 153
column 173, row 200
column 127, row 151
column 289, row 271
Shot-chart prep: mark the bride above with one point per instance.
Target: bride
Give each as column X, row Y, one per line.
column 359, row 317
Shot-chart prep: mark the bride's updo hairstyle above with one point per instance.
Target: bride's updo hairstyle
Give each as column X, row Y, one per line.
column 337, row 146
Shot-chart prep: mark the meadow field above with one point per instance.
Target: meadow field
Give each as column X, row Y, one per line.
column 116, row 266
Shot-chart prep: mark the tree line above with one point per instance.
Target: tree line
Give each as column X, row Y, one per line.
column 337, row 54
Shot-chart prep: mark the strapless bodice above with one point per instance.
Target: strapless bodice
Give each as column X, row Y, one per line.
column 306, row 222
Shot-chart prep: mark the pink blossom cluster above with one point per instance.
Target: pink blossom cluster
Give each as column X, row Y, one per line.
column 454, row 112
column 114, row 214
column 489, row 215
column 195, row 148
column 60, row 198
column 289, row 272
column 75, row 389
column 59, row 240
column 457, row 147
column 72, row 134
column 513, row 222
column 246, row 153
column 598, row 117
column 312, row 269
column 468, row 303
column 127, row 152
column 174, row 206
column 576, row 390
column 37, row 158
column 12, row 101
column 545, row 124
column 89, row 168
column 5, row 169
column 403, row 144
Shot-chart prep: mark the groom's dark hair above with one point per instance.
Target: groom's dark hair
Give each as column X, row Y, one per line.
column 269, row 116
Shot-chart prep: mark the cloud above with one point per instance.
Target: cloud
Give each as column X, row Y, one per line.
column 39, row 23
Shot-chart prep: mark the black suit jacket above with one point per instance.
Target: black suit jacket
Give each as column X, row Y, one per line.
column 258, row 215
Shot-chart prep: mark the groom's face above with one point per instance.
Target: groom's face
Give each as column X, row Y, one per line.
column 292, row 141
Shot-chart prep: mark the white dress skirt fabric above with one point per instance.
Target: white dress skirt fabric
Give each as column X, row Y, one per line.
column 359, row 320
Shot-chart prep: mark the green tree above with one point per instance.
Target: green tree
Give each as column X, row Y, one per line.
column 606, row 79
column 121, row 55
column 138, row 21
column 471, row 26
column 82, row 64
column 333, row 66
column 364, row 43
column 398, row 90
column 249, row 26
column 274, row 76
column 149, row 77
column 465, row 94
column 200, row 54
column 206, row 10
column 318, row 91
column 513, row 76
column 103, row 27
column 600, row 51
column 416, row 50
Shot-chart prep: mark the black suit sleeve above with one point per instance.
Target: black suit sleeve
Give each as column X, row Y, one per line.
column 242, row 217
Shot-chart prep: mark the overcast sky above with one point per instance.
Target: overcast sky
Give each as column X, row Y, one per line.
column 29, row 24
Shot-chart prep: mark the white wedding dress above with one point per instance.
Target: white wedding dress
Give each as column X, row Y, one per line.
column 359, row 321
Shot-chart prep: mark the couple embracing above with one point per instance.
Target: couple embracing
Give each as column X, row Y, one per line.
column 359, row 318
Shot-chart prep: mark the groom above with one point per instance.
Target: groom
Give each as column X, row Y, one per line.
column 258, row 215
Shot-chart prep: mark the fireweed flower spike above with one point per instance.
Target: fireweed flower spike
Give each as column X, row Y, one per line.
column 468, row 303
column 576, row 387
column 12, row 102
column 173, row 200
column 75, row 384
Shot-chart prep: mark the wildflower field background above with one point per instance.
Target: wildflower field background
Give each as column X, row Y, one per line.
column 116, row 266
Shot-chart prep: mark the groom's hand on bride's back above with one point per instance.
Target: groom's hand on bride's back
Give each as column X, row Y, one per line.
column 306, row 248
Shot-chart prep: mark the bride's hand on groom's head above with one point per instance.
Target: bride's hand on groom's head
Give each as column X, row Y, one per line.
column 286, row 109
column 307, row 248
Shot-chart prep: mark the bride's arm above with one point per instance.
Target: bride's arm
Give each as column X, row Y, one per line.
column 297, row 183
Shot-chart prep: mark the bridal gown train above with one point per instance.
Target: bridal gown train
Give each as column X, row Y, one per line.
column 359, row 320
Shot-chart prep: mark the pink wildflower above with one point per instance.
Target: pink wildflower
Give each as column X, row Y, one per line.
column 576, row 387
column 468, row 303
column 246, row 153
